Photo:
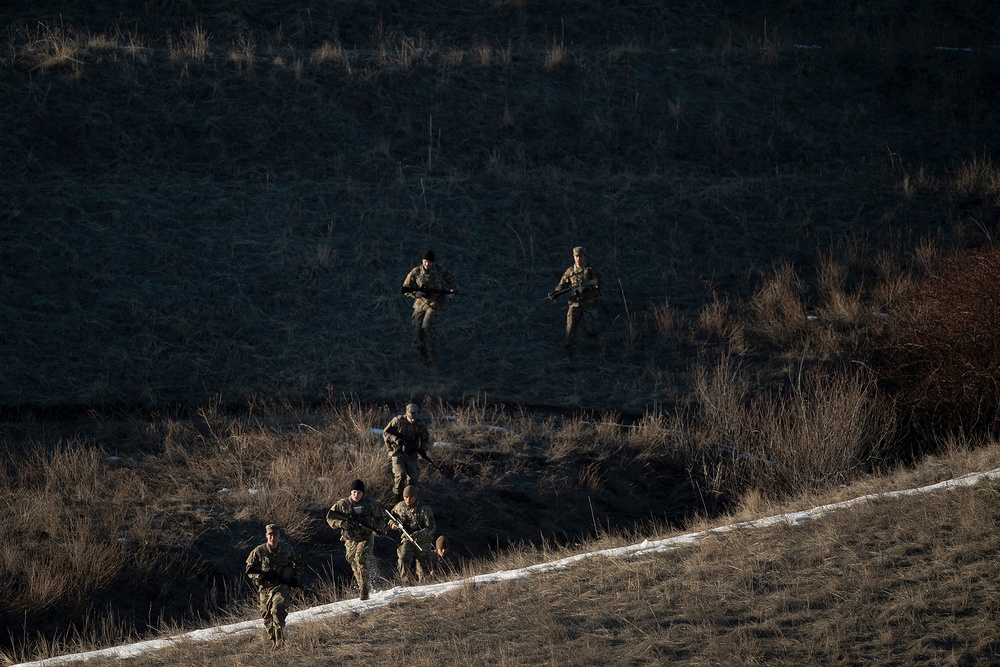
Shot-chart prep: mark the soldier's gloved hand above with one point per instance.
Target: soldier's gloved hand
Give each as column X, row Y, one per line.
column 419, row 294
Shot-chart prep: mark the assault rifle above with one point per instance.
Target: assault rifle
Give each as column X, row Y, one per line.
column 266, row 577
column 396, row 520
column 410, row 289
column 577, row 290
column 357, row 522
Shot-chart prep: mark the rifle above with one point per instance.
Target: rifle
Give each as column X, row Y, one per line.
column 357, row 522
column 270, row 576
column 399, row 523
column 422, row 454
column 575, row 289
column 409, row 289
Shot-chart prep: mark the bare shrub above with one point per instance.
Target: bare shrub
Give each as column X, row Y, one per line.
column 838, row 304
column 942, row 360
column 777, row 310
column 821, row 430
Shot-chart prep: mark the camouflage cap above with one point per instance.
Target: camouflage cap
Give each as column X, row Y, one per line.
column 410, row 492
column 579, row 251
column 413, row 409
column 272, row 528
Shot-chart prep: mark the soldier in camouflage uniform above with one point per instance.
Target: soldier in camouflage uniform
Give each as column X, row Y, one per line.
column 586, row 283
column 416, row 517
column 274, row 568
column 356, row 533
column 427, row 307
column 404, row 436
column 444, row 565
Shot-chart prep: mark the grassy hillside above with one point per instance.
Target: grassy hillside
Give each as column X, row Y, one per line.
column 223, row 201
column 208, row 209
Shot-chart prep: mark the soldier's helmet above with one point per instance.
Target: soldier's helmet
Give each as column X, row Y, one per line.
column 413, row 409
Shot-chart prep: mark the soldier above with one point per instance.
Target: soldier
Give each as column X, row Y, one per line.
column 359, row 519
column 274, row 567
column 417, row 519
column 405, row 436
column 585, row 283
column 428, row 303
column 443, row 565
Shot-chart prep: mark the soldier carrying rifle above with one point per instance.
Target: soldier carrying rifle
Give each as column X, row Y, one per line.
column 360, row 520
column 584, row 284
column 415, row 520
column 274, row 567
column 431, row 287
column 406, row 438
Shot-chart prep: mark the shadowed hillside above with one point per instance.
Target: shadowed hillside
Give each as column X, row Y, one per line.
column 215, row 198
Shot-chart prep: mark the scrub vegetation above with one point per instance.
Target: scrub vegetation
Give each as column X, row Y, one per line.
column 207, row 212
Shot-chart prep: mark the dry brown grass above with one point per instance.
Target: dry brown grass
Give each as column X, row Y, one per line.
column 904, row 581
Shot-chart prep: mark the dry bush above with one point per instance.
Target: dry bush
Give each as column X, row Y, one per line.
column 837, row 304
column 777, row 310
column 821, row 430
column 942, row 360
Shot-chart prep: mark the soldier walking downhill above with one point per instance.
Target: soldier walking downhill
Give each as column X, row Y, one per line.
column 274, row 567
column 405, row 437
column 359, row 519
column 585, row 284
column 416, row 556
column 430, row 286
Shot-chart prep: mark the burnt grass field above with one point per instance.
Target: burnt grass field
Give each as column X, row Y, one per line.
column 208, row 209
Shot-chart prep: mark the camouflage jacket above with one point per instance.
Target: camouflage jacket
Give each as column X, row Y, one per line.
column 399, row 431
column 435, row 277
column 586, row 282
column 283, row 561
column 418, row 522
column 367, row 512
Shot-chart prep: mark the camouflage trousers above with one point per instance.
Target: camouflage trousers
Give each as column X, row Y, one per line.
column 359, row 554
column 580, row 315
column 415, row 566
column 273, row 609
column 405, row 470
column 424, row 324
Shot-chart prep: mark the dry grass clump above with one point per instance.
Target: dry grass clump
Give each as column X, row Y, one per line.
column 193, row 44
column 821, row 429
column 777, row 306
